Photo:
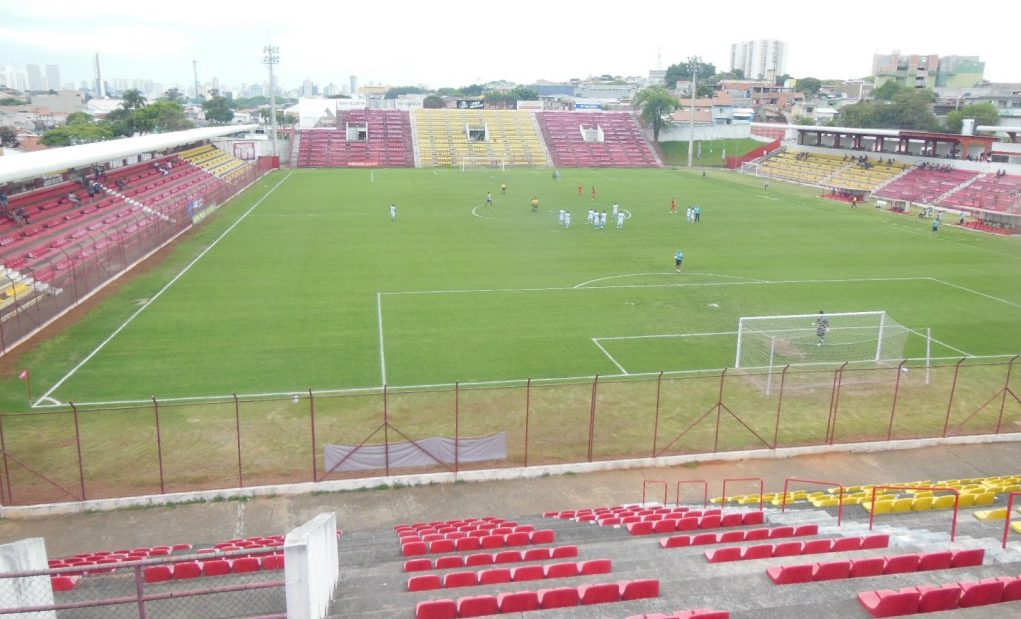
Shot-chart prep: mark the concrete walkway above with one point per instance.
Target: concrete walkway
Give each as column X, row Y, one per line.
column 215, row 521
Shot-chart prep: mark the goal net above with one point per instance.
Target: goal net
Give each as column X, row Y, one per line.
column 769, row 344
column 471, row 163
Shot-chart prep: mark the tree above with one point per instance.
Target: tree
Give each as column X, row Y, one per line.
column 132, row 100
column 433, row 102
column 120, row 122
column 282, row 118
column 81, row 133
column 174, row 94
column 808, row 85
column 888, row 91
column 781, row 79
column 521, row 93
column 685, row 70
column 983, row 113
column 77, row 118
column 910, row 109
column 656, row 104
column 9, row 137
column 804, row 120
column 161, row 117
column 217, row 109
column 397, row 91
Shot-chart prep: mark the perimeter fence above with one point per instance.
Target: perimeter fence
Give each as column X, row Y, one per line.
column 77, row 453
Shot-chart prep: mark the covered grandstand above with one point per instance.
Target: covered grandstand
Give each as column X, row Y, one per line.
column 78, row 217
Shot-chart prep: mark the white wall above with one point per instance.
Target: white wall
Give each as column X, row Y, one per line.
column 679, row 133
column 311, row 568
column 23, row 556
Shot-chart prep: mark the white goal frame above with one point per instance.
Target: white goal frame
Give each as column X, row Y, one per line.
column 890, row 339
column 482, row 162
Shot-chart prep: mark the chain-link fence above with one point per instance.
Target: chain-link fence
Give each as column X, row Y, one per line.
column 73, row 454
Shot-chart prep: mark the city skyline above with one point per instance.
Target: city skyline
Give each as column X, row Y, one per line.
column 447, row 44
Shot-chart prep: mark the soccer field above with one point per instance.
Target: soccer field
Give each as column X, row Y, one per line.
column 305, row 282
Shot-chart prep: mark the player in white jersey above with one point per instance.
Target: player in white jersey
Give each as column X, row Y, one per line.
column 602, row 220
column 562, row 217
column 620, row 220
column 393, row 212
column 616, row 209
column 567, row 219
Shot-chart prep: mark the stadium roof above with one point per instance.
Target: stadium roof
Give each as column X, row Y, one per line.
column 39, row 163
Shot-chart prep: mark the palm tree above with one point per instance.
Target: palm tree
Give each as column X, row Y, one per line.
column 132, row 100
column 656, row 104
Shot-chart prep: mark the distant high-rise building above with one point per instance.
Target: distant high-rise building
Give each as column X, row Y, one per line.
column 307, row 88
column 13, row 78
column 53, row 76
column 100, row 84
column 35, row 78
column 354, row 86
column 764, row 59
column 960, row 71
column 911, row 70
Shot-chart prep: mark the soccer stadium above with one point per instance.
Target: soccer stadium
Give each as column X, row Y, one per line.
column 447, row 363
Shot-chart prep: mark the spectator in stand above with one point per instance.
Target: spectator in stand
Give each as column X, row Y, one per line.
column 74, row 199
column 21, row 216
column 5, row 202
column 121, row 184
column 92, row 191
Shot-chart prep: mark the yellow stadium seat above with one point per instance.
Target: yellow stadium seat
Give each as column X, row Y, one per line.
column 992, row 514
column 921, row 504
column 882, row 507
column 987, row 498
column 901, row 505
column 1016, row 526
column 943, row 502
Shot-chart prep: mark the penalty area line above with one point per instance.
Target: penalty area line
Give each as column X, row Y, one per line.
column 610, row 357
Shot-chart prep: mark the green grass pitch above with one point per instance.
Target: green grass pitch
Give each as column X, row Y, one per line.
column 305, row 282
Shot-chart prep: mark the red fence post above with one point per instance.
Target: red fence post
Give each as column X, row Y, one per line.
column 1006, row 390
column 457, row 426
column 312, row 417
column 840, row 501
column 896, row 393
column 1010, row 509
column 528, row 414
column 140, row 592
column 655, row 425
column 831, row 426
column 950, row 400
column 237, row 435
column 705, row 494
column 78, row 444
column 957, row 503
column 7, row 468
column 592, row 418
column 159, row 445
column 386, row 434
column 779, row 404
column 719, row 411
column 645, row 484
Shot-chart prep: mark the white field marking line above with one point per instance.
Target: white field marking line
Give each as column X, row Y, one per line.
column 609, row 356
column 981, row 294
column 665, row 335
column 382, row 355
column 626, row 212
column 141, row 309
column 477, row 215
column 919, row 333
column 520, row 382
column 671, row 274
column 687, row 285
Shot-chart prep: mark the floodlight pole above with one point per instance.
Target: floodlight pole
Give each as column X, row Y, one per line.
column 691, row 121
column 271, row 56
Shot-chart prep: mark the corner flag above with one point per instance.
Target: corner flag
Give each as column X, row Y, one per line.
column 23, row 375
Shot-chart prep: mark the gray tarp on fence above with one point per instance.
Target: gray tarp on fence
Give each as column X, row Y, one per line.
column 425, row 452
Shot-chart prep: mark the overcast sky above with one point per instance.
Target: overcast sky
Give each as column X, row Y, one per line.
column 458, row 42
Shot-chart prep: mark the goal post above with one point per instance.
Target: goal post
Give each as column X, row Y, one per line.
column 475, row 162
column 770, row 343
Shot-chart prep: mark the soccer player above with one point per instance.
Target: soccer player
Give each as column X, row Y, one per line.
column 593, row 192
column 503, row 189
column 489, row 199
column 689, row 215
column 935, row 226
column 535, row 204
column 602, row 220
column 698, row 213
column 678, row 260
column 616, row 208
column 822, row 327
column 591, row 216
column 620, row 220
column 673, row 206
column 567, row 219
column 393, row 212
column 562, row 212
column 581, row 191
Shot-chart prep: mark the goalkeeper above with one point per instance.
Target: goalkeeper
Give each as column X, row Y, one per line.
column 822, row 326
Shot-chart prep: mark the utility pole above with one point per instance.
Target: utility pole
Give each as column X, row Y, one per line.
column 271, row 56
column 691, row 132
